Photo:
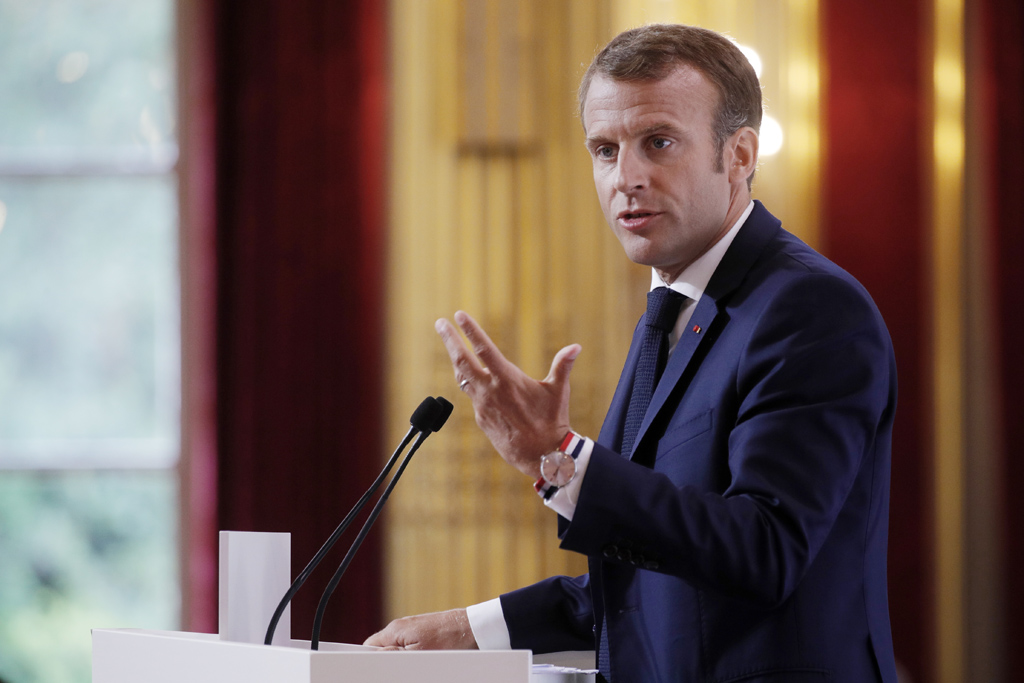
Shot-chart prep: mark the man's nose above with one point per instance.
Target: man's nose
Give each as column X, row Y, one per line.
column 630, row 172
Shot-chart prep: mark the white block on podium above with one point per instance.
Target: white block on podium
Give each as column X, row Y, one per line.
column 254, row 571
column 134, row 656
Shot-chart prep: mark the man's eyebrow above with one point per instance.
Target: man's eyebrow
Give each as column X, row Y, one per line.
column 653, row 129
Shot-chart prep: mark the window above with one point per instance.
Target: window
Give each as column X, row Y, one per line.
column 89, row 329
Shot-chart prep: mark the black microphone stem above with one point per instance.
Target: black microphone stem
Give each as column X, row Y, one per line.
column 304, row 574
column 359, row 540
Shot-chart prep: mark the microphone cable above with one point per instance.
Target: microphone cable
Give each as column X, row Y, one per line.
column 423, row 419
column 445, row 409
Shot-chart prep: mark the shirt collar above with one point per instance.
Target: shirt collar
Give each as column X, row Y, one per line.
column 694, row 279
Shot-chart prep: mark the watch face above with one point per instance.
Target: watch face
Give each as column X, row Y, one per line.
column 558, row 468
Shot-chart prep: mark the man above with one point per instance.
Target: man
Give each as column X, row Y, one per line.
column 734, row 508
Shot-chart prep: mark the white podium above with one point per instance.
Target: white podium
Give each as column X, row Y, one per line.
column 253, row 577
column 136, row 656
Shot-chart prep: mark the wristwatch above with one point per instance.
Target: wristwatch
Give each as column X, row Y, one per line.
column 558, row 467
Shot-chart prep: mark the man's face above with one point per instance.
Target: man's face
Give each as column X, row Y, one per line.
column 654, row 162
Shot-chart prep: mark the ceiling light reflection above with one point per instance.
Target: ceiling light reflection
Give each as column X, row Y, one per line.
column 771, row 137
column 752, row 57
column 948, row 76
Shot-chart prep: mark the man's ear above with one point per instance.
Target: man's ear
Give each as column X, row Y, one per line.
column 743, row 146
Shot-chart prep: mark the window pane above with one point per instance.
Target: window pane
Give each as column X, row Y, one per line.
column 89, row 339
column 81, row 551
column 81, row 75
column 88, row 317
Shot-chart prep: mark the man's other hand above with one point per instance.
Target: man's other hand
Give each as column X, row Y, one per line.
column 524, row 418
column 435, row 631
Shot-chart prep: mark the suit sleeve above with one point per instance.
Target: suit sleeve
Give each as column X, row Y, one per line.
column 553, row 615
column 814, row 386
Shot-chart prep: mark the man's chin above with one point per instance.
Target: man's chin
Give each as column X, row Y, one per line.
column 640, row 253
column 638, row 249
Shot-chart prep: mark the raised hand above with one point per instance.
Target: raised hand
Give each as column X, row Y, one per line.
column 524, row 418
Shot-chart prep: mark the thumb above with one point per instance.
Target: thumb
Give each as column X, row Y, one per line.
column 561, row 366
column 380, row 639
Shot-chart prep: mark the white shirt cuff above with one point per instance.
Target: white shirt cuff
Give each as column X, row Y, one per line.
column 487, row 621
column 564, row 500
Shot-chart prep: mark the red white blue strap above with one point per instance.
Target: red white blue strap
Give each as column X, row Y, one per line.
column 572, row 444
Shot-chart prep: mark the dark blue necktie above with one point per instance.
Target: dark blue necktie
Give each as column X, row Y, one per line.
column 663, row 306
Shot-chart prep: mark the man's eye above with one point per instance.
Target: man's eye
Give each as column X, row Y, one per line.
column 660, row 143
column 604, row 152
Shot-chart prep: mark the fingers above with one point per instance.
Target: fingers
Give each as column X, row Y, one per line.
column 486, row 359
column 485, row 349
column 382, row 638
column 476, row 365
column 465, row 364
column 400, row 634
column 562, row 364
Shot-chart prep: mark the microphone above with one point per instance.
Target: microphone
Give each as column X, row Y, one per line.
column 428, row 412
column 444, row 411
column 423, row 419
column 433, row 423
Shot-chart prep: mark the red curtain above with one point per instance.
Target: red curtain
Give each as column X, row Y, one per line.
column 873, row 224
column 300, row 148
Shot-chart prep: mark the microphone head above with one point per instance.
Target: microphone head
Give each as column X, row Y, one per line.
column 444, row 410
column 426, row 415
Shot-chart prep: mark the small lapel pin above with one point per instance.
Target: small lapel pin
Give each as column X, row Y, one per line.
column 696, row 328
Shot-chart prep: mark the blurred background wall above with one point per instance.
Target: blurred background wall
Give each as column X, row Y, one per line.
column 347, row 172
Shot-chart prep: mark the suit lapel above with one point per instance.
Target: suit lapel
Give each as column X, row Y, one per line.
column 614, row 421
column 748, row 244
column 703, row 316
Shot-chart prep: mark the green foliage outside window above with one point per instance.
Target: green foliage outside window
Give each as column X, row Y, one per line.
column 81, row 550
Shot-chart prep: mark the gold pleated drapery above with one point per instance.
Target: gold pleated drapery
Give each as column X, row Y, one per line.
column 493, row 211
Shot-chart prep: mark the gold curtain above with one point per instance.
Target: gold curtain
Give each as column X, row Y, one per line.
column 493, row 211
column 952, row 341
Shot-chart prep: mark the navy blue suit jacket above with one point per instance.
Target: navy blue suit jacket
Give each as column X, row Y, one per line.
column 744, row 539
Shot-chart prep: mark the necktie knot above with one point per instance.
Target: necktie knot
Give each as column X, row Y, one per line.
column 663, row 306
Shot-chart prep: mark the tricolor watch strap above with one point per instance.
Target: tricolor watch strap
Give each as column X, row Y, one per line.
column 572, row 445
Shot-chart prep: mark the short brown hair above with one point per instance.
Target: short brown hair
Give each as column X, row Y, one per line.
column 649, row 53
